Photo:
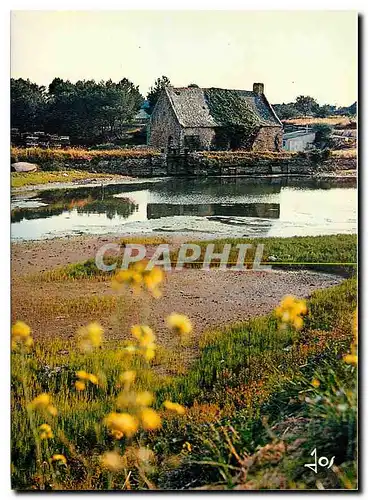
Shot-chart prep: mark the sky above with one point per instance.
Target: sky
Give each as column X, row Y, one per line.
column 291, row 52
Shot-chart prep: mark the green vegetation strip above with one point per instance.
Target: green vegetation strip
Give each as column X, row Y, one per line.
column 21, row 179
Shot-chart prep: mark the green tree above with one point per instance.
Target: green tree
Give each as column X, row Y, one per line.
column 285, row 111
column 306, row 104
column 155, row 91
column 28, row 104
column 91, row 112
column 323, row 135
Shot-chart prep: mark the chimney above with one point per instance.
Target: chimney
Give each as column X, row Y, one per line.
column 258, row 88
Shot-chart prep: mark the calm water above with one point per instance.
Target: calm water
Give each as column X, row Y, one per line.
column 210, row 207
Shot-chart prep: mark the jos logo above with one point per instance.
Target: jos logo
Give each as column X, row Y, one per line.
column 322, row 462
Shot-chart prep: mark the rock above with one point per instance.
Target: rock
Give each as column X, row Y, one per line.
column 23, row 166
column 272, row 258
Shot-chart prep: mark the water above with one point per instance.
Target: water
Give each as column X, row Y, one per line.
column 215, row 207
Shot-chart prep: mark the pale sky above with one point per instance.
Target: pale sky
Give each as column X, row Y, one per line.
column 291, row 52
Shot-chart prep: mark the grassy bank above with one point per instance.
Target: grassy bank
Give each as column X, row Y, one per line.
column 243, row 375
column 21, row 179
column 40, row 155
column 326, row 253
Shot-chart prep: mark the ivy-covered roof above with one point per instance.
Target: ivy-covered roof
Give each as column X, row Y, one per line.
column 213, row 107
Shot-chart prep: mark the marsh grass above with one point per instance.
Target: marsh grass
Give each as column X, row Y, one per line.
column 21, row 179
column 328, row 253
column 37, row 154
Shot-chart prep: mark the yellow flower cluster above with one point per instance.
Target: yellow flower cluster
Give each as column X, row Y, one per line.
column 43, row 403
column 128, row 377
column 45, row 432
column 352, row 357
column 146, row 339
column 125, row 424
column 139, row 277
column 176, row 407
column 180, row 324
column 115, row 462
column 84, row 377
column 90, row 336
column 58, row 458
column 290, row 311
column 21, row 334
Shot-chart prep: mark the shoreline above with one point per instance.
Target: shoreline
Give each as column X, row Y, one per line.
column 343, row 174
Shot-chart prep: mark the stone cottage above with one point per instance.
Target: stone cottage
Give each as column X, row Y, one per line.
column 218, row 119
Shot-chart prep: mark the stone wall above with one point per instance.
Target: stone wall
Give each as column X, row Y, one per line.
column 206, row 136
column 201, row 164
column 146, row 166
column 266, row 139
column 163, row 125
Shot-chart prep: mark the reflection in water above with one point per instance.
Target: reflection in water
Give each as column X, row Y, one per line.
column 278, row 206
column 264, row 210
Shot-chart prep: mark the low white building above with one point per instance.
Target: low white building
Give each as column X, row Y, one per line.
column 299, row 140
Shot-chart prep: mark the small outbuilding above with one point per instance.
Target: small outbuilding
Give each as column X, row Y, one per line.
column 298, row 140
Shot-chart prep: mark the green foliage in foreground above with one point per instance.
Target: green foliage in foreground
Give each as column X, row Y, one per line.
column 243, row 373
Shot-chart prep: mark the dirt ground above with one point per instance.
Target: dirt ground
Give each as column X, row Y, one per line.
column 211, row 298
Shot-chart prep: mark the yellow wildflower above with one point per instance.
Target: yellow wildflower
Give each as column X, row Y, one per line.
column 128, row 377
column 143, row 334
column 80, row 385
column 20, row 330
column 52, row 410
column 179, row 323
column 41, row 402
column 179, row 409
column 90, row 336
column 113, row 461
column 149, row 352
column 82, row 374
column 116, row 434
column 130, row 349
column 123, row 423
column 46, row 431
column 144, row 398
column 150, row 419
column 21, row 333
column 290, row 311
column 351, row 359
column 316, row 383
column 187, row 446
column 152, row 279
column 298, row 323
column 92, row 378
column 58, row 458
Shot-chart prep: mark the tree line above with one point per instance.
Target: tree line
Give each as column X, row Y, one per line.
column 308, row 106
column 87, row 111
column 93, row 112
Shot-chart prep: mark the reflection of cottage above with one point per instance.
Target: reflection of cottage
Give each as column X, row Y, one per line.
column 299, row 140
column 212, row 118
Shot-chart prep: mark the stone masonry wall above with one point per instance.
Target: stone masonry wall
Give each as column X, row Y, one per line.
column 265, row 140
column 164, row 124
column 199, row 164
column 206, row 135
